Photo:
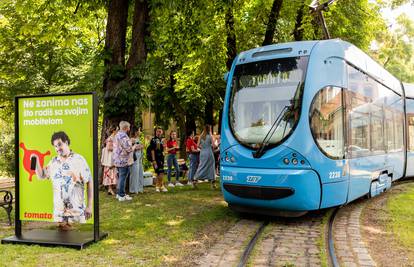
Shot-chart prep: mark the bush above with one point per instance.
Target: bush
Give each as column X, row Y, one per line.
column 6, row 150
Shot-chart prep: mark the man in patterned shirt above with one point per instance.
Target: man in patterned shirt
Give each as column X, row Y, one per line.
column 69, row 173
column 122, row 158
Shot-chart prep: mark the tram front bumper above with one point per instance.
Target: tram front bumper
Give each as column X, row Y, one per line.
column 281, row 189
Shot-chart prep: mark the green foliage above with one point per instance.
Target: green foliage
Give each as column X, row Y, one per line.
column 395, row 49
column 57, row 46
column 355, row 21
column 46, row 48
column 6, row 148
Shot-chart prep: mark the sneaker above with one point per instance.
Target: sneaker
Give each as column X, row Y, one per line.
column 206, row 180
column 120, row 199
column 164, row 189
column 190, row 183
column 117, row 196
column 178, row 184
column 170, row 185
column 157, row 189
column 127, row 197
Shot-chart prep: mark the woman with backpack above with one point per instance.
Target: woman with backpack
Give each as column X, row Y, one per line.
column 155, row 154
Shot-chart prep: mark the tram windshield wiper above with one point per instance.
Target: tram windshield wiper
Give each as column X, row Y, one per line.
column 261, row 149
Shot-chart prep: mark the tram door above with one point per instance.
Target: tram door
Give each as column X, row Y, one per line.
column 363, row 118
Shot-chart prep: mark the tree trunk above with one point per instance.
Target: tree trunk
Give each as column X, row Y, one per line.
column 190, row 124
column 209, row 109
column 298, row 31
column 115, row 42
column 140, row 31
column 271, row 25
column 117, row 72
column 231, row 50
column 231, row 36
column 180, row 117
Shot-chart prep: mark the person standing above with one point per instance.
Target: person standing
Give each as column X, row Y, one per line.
column 156, row 148
column 123, row 149
column 136, row 178
column 110, row 175
column 69, row 173
column 206, row 167
column 193, row 155
column 172, row 148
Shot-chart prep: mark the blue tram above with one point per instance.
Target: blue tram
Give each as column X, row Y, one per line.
column 311, row 125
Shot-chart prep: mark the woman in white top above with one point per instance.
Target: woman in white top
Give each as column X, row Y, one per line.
column 110, row 175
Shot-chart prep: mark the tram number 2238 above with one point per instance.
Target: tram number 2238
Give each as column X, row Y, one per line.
column 333, row 175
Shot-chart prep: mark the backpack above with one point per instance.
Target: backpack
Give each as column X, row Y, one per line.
column 149, row 156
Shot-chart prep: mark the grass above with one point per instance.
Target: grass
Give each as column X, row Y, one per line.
column 151, row 230
column 401, row 214
column 322, row 240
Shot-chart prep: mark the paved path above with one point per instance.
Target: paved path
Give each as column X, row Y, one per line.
column 228, row 251
column 290, row 242
column 285, row 242
column 349, row 246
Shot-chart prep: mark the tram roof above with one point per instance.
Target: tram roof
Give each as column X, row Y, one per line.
column 409, row 90
column 323, row 49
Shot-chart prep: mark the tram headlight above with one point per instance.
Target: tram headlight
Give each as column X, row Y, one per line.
column 286, row 161
column 295, row 161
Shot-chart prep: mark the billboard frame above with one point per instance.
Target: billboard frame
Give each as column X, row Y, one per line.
column 71, row 239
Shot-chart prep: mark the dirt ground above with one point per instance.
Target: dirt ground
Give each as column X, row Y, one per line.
column 383, row 247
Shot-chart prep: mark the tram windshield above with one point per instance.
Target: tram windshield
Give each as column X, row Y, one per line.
column 260, row 92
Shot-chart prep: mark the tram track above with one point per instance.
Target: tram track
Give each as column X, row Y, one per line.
column 250, row 246
column 331, row 246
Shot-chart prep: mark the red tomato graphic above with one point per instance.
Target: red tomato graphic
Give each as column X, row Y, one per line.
column 26, row 159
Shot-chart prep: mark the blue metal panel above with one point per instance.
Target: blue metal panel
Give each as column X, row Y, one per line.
column 334, row 194
column 306, row 185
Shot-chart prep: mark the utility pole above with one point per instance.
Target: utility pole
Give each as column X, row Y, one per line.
column 316, row 9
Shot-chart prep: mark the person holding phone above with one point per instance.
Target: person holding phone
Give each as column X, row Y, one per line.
column 69, row 173
column 172, row 148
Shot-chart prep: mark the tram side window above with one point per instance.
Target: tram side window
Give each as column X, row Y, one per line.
column 400, row 127
column 376, row 93
column 327, row 121
column 398, row 119
column 410, row 121
column 359, row 99
column 389, row 129
column 359, row 138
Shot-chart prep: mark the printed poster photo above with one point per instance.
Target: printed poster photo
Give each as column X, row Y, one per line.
column 56, row 159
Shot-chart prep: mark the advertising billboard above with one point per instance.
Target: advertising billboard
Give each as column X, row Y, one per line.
column 56, row 158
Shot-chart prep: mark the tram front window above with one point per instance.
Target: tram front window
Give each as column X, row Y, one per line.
column 260, row 92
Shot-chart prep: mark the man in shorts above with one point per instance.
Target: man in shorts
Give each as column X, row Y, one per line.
column 157, row 154
column 69, row 173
